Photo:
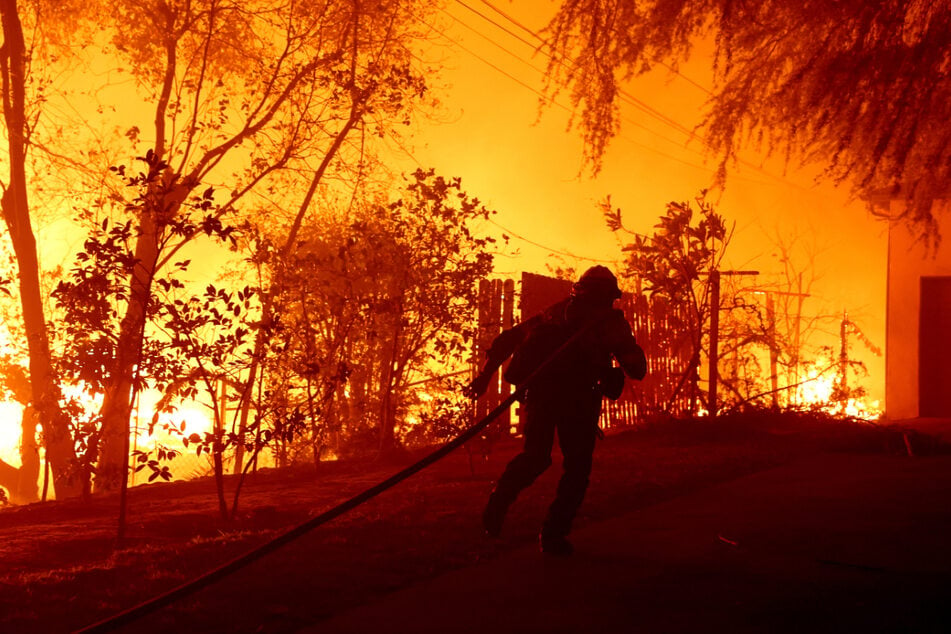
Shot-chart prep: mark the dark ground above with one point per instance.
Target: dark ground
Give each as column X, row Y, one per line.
column 832, row 543
column 759, row 524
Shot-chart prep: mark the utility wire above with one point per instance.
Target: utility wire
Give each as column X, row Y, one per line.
column 507, row 231
column 534, row 90
column 402, row 148
column 549, row 100
column 504, row 28
column 549, row 249
column 542, row 40
column 541, row 71
column 518, row 81
column 630, row 99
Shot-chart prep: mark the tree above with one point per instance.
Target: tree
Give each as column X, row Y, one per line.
column 431, row 293
column 275, row 87
column 372, row 301
column 45, row 395
column 861, row 87
column 194, row 344
column 675, row 265
column 263, row 97
column 747, row 335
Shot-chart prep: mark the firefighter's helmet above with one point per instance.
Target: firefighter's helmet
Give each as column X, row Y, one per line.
column 597, row 283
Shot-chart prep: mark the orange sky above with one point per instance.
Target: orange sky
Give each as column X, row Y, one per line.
column 488, row 132
column 528, row 171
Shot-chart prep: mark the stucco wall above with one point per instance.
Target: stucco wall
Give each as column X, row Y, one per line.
column 908, row 262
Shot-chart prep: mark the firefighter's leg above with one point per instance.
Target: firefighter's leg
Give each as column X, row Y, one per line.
column 576, row 437
column 520, row 472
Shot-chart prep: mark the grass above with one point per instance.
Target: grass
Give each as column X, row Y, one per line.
column 61, row 570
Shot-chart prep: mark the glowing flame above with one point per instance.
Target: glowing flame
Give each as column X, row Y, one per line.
column 10, row 414
column 193, row 415
column 816, row 390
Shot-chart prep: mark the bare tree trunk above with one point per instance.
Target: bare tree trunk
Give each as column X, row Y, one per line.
column 67, row 478
column 26, row 490
column 389, row 377
column 217, row 455
column 116, row 408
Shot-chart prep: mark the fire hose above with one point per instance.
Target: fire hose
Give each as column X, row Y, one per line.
column 190, row 587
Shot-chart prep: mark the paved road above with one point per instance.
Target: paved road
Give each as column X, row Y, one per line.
column 837, row 543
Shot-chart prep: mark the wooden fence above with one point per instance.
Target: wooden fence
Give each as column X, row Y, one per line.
column 659, row 328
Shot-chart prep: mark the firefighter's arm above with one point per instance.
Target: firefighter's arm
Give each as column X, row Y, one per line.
column 633, row 362
column 629, row 355
column 501, row 349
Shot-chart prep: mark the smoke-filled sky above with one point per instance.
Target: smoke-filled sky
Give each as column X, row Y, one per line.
column 525, row 164
column 529, row 169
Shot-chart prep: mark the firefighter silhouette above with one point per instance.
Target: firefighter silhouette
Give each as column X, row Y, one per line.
column 584, row 332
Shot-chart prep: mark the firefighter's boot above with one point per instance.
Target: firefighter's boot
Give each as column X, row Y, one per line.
column 493, row 516
column 556, row 545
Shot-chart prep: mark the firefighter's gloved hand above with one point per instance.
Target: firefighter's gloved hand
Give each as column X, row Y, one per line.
column 478, row 386
column 611, row 383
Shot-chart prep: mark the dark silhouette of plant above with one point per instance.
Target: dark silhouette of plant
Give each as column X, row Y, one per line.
column 94, row 294
column 674, row 264
column 369, row 304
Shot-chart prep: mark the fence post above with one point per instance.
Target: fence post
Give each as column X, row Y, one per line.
column 508, row 320
column 714, row 341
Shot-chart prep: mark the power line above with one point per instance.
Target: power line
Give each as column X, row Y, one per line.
column 566, row 254
column 544, row 41
column 552, row 101
column 626, row 99
column 630, row 99
column 503, row 28
column 493, row 66
column 488, row 39
column 508, row 232
column 626, row 96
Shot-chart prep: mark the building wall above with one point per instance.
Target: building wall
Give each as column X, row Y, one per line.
column 908, row 262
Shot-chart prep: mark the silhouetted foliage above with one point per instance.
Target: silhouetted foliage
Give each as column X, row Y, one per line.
column 371, row 302
column 94, row 295
column 675, row 263
column 746, row 338
column 860, row 87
